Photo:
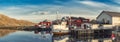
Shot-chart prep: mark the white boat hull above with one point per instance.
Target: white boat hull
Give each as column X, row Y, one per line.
column 60, row 30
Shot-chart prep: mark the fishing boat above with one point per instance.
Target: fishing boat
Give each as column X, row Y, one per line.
column 66, row 24
column 44, row 26
column 60, row 29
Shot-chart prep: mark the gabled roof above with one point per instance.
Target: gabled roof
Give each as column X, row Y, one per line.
column 113, row 14
column 116, row 14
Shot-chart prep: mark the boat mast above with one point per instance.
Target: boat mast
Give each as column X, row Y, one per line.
column 57, row 15
column 70, row 19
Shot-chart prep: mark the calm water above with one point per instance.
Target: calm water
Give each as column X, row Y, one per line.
column 43, row 36
column 28, row 36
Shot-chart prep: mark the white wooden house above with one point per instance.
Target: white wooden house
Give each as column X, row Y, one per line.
column 107, row 17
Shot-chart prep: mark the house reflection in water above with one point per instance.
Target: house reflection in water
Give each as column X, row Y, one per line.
column 68, row 38
column 90, row 40
column 83, row 39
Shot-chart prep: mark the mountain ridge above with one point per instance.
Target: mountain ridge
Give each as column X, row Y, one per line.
column 8, row 21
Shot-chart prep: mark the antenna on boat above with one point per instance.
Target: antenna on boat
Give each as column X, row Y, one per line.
column 57, row 17
column 56, row 14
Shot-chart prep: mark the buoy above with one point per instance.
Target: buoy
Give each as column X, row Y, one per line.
column 113, row 36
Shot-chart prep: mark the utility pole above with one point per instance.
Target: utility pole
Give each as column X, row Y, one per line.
column 116, row 33
column 117, row 29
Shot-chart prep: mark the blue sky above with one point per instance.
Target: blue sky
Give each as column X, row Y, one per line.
column 37, row 10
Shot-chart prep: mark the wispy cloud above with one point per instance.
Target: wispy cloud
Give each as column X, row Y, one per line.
column 36, row 13
column 116, row 1
column 100, row 6
column 39, row 13
column 93, row 4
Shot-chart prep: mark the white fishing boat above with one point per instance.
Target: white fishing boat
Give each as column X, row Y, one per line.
column 60, row 29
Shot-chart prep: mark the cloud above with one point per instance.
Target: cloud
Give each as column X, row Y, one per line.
column 93, row 4
column 50, row 12
column 38, row 18
column 116, row 1
column 100, row 6
column 38, row 13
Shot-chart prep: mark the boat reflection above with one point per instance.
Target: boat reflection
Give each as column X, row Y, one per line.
column 44, row 34
column 69, row 38
column 63, row 38
column 55, row 38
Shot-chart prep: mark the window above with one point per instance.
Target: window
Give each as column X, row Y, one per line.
column 108, row 22
column 103, row 21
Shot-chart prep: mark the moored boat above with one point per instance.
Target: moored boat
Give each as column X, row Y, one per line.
column 60, row 28
column 44, row 26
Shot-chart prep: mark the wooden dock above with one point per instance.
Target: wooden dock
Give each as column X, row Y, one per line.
column 91, row 33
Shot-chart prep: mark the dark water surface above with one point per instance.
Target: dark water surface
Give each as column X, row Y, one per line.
column 43, row 36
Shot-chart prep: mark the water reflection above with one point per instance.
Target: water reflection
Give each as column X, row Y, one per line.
column 43, row 36
column 89, row 38
column 27, row 36
column 63, row 38
column 4, row 32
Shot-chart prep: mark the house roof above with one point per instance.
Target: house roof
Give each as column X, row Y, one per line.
column 113, row 14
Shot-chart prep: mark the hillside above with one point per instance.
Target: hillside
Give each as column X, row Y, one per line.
column 7, row 21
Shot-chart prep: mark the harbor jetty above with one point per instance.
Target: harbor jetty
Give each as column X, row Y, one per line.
column 91, row 33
